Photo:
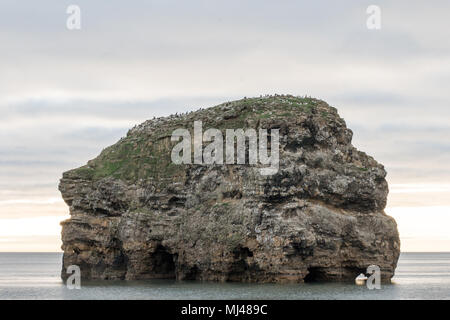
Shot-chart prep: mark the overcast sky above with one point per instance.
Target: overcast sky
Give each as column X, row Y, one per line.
column 65, row 95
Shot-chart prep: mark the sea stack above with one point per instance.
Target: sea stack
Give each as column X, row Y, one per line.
column 135, row 214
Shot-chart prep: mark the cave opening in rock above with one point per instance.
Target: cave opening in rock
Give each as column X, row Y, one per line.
column 242, row 253
column 241, row 264
column 192, row 274
column 163, row 263
column 315, row 274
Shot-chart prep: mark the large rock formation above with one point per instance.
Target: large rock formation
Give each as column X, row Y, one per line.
column 137, row 215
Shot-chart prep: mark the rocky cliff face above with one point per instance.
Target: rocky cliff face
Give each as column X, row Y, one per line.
column 137, row 215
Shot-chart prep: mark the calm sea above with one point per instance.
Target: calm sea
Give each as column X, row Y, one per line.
column 36, row 276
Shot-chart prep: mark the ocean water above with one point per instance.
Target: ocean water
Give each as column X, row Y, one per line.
column 36, row 276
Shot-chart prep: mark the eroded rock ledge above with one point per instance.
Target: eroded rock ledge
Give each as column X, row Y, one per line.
column 136, row 215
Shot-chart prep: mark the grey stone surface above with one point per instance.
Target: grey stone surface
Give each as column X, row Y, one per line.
column 136, row 215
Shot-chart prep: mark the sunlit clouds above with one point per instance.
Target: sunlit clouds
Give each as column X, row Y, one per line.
column 31, row 234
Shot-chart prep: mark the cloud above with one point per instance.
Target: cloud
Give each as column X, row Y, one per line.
column 64, row 95
column 418, row 234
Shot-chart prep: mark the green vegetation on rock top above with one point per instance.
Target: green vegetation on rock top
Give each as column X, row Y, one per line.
column 145, row 152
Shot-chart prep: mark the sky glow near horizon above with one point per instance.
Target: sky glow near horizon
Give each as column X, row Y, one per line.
column 65, row 95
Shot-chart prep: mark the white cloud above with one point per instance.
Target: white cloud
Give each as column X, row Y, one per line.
column 41, row 226
column 423, row 228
